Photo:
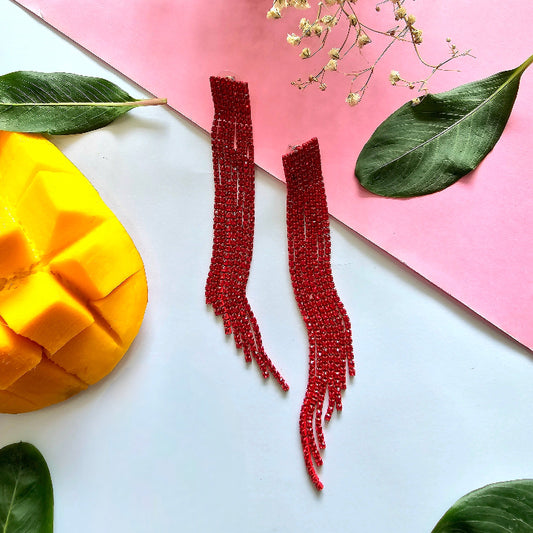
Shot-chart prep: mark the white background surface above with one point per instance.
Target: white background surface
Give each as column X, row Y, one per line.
column 183, row 436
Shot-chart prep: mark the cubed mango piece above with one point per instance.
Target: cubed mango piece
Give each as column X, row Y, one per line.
column 100, row 261
column 57, row 209
column 21, row 157
column 40, row 308
column 123, row 308
column 16, row 252
column 72, row 284
column 17, row 356
column 13, row 404
column 90, row 355
column 46, row 384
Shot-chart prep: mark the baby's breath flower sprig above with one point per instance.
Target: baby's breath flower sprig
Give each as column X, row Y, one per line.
column 422, row 85
column 332, row 14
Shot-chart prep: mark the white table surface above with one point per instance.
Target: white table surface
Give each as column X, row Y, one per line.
column 184, row 437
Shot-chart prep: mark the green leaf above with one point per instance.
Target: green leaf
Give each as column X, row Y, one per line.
column 61, row 103
column 498, row 508
column 26, row 495
column 421, row 149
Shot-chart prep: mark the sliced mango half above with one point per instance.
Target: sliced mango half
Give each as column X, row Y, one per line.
column 73, row 288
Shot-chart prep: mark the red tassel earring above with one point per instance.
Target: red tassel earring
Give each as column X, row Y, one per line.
column 234, row 219
column 328, row 325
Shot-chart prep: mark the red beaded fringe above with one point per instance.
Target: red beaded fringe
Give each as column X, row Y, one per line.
column 328, row 325
column 234, row 218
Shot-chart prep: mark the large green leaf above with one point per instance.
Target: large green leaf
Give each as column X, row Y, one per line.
column 424, row 148
column 498, row 508
column 26, row 496
column 61, row 103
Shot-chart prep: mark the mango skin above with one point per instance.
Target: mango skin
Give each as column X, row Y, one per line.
column 73, row 288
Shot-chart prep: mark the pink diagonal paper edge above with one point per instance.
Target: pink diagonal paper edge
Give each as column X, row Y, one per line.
column 473, row 240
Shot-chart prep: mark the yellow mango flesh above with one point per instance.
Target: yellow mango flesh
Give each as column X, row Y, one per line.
column 15, row 250
column 72, row 284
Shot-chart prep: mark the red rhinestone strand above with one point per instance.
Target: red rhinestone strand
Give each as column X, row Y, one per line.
column 326, row 320
column 234, row 220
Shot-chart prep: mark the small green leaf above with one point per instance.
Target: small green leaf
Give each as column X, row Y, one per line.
column 26, row 495
column 60, row 103
column 424, row 148
column 498, row 508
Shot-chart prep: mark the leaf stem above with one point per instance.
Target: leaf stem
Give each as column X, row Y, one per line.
column 153, row 101
column 525, row 64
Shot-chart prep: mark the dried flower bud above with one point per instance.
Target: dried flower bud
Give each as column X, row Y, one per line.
column 363, row 40
column 329, row 21
column 410, row 19
column 400, row 13
column 332, row 65
column 293, row 39
column 353, row 19
column 317, row 29
column 415, row 101
column 334, row 53
column 322, row 86
column 394, row 77
column 274, row 13
column 330, row 2
column 417, row 35
column 353, row 99
column 301, row 4
column 305, row 53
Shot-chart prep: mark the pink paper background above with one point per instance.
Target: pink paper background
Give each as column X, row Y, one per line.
column 473, row 240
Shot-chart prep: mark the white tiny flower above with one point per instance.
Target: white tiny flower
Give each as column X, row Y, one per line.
column 400, row 13
column 306, row 30
column 317, row 29
column 363, row 40
column 293, row 39
column 353, row 99
column 417, row 35
column 394, row 77
column 334, row 53
column 330, row 21
column 274, row 13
